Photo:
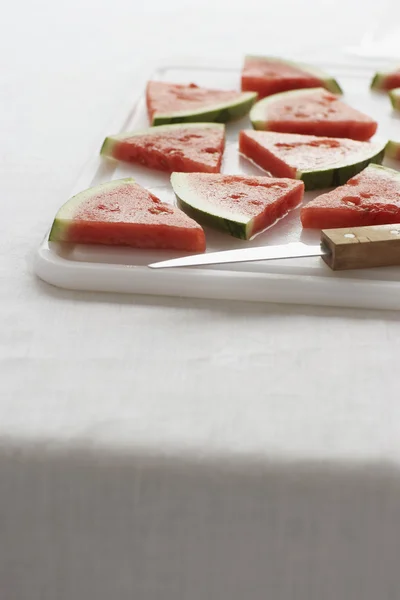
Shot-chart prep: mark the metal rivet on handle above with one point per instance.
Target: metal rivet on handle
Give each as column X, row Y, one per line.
column 349, row 235
column 395, row 231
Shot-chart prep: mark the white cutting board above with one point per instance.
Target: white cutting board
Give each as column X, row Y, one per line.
column 300, row 281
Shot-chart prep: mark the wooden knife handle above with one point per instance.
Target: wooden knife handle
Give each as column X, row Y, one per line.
column 362, row 247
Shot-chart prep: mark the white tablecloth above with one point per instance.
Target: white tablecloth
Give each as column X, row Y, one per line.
column 174, row 449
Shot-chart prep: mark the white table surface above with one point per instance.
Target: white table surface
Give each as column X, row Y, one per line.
column 178, row 449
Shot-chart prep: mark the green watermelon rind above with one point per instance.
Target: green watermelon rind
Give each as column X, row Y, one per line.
column 378, row 80
column 394, row 96
column 381, row 171
column 237, row 225
column 339, row 173
column 258, row 113
column 66, row 213
column 342, row 172
column 109, row 143
column 393, row 150
column 330, row 83
column 107, row 148
column 377, row 172
column 217, row 113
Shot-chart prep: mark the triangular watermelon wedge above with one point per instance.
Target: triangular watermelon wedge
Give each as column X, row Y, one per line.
column 270, row 75
column 386, row 80
column 370, row 198
column 320, row 162
column 122, row 213
column 242, row 206
column 183, row 147
column 180, row 103
column 312, row 112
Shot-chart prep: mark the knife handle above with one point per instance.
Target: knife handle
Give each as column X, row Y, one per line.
column 362, row 247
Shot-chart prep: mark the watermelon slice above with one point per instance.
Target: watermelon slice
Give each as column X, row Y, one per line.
column 393, row 150
column 319, row 161
column 242, row 206
column 177, row 103
column 395, row 98
column 370, row 198
column 122, row 213
column 188, row 147
column 268, row 75
column 311, row 112
column 386, row 80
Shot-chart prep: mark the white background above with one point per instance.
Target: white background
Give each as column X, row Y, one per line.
column 64, row 68
column 155, row 376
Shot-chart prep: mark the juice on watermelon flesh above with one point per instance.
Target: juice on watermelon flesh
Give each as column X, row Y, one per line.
column 129, row 215
column 268, row 77
column 318, row 113
column 341, row 129
column 370, row 198
column 285, row 154
column 275, row 211
column 186, row 150
column 252, row 148
column 331, row 218
column 149, row 236
column 255, row 203
column 169, row 98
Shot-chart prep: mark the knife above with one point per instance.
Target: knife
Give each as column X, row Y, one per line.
column 341, row 249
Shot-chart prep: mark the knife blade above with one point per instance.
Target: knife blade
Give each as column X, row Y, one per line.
column 346, row 248
column 292, row 250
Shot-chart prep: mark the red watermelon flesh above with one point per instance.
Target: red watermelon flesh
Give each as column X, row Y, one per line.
column 284, row 154
column 167, row 98
column 243, row 206
column 370, row 198
column 392, row 81
column 187, row 148
column 312, row 112
column 268, row 76
column 293, row 154
column 123, row 213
